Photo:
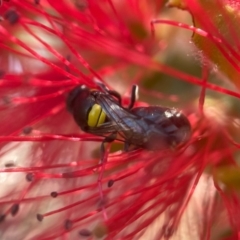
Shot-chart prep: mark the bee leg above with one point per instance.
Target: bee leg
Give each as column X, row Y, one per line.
column 108, row 139
column 111, row 92
column 100, row 84
column 116, row 95
column 133, row 96
column 103, row 161
column 126, row 147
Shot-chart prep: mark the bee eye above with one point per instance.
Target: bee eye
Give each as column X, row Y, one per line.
column 71, row 97
column 79, row 103
column 96, row 116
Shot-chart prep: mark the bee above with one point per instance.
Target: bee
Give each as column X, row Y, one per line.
column 101, row 113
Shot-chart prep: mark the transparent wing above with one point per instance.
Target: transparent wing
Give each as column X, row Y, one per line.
column 122, row 122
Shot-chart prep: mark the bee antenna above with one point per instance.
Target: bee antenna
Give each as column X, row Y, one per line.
column 134, row 96
column 101, row 85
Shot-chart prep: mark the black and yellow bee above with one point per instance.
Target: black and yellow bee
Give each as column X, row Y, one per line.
column 101, row 113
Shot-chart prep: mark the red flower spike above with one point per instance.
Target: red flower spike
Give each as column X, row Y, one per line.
column 53, row 182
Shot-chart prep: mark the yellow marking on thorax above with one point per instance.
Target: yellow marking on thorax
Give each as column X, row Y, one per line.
column 96, row 116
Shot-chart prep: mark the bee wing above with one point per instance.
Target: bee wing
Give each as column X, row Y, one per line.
column 106, row 129
column 122, row 121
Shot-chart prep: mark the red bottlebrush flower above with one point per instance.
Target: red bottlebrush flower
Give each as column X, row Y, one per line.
column 53, row 184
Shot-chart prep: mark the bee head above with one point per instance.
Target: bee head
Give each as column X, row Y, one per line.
column 81, row 103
